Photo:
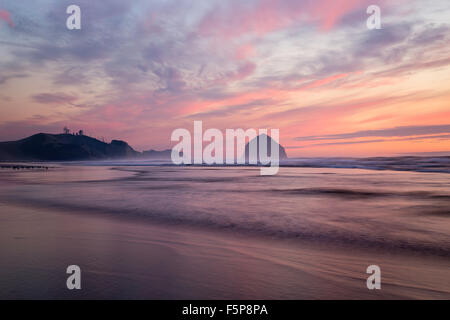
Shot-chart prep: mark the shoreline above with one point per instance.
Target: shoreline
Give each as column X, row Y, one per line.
column 21, row 166
column 427, row 164
column 404, row 249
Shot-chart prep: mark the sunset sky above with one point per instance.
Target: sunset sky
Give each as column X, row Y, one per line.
column 139, row 69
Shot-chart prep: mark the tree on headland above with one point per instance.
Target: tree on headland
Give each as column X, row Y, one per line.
column 75, row 133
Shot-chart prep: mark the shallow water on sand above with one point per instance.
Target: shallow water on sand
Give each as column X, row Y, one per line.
column 226, row 232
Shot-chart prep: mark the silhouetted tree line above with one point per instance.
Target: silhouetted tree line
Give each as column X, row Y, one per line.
column 79, row 133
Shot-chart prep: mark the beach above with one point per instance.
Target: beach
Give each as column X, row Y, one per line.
column 165, row 232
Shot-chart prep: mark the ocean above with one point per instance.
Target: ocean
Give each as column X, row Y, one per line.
column 150, row 230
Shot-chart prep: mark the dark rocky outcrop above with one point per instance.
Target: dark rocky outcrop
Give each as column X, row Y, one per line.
column 282, row 152
column 64, row 147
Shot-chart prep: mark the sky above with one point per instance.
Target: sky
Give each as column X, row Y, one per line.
column 139, row 69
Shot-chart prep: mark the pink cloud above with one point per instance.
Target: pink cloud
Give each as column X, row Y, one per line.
column 238, row 99
column 325, row 81
column 244, row 52
column 243, row 71
column 330, row 12
column 265, row 16
column 4, row 15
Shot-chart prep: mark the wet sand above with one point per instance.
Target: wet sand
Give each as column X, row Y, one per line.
column 129, row 260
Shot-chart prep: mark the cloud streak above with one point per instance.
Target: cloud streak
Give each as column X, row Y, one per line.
column 421, row 138
column 53, row 98
column 403, row 131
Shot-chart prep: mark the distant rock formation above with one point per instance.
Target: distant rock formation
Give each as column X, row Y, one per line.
column 64, row 147
column 282, row 152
